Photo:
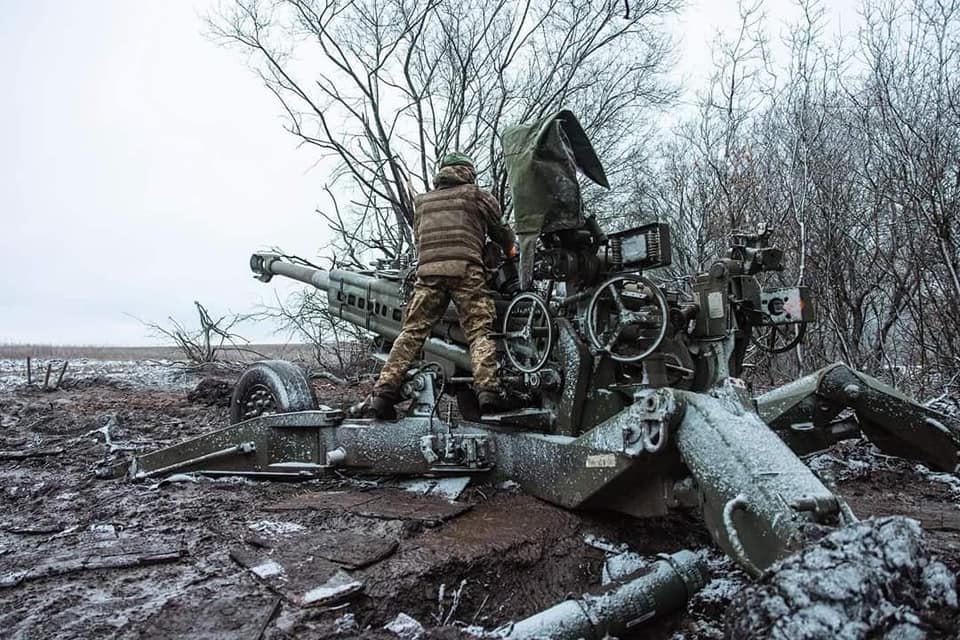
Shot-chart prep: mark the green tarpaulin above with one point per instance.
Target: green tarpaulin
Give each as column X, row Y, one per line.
column 542, row 159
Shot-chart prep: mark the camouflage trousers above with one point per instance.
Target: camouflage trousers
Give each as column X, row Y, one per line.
column 431, row 296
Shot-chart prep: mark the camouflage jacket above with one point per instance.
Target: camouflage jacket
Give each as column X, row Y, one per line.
column 451, row 223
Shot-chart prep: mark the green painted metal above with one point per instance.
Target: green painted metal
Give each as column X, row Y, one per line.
column 620, row 608
column 807, row 415
column 595, row 427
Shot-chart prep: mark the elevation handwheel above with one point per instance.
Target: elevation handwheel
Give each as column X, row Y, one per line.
column 627, row 318
column 528, row 332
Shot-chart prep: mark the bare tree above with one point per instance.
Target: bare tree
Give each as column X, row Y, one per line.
column 911, row 124
column 385, row 87
column 851, row 151
column 710, row 169
column 204, row 345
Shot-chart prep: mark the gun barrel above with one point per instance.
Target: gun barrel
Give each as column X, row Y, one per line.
column 371, row 303
column 267, row 265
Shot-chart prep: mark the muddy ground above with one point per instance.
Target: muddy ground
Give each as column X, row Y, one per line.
column 86, row 555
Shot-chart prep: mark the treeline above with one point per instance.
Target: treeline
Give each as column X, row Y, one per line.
column 848, row 148
column 851, row 150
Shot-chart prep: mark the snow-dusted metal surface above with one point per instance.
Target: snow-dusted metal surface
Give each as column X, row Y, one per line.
column 758, row 499
column 874, row 579
column 735, row 457
column 804, row 414
column 623, row 607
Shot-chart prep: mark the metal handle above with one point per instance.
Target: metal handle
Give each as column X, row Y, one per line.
column 739, row 503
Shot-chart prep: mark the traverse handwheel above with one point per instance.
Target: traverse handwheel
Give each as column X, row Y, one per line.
column 627, row 318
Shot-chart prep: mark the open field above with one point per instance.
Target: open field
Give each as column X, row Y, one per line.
column 94, row 352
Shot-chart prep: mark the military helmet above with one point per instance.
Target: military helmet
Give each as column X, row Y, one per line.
column 455, row 158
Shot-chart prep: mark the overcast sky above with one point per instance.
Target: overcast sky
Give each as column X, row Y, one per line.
column 141, row 164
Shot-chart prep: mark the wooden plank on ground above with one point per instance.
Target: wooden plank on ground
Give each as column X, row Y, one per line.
column 111, row 557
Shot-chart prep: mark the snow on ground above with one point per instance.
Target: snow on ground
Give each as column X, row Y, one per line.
column 142, row 404
column 125, row 374
column 873, row 579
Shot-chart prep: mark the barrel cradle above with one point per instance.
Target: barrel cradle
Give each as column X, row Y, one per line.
column 372, row 302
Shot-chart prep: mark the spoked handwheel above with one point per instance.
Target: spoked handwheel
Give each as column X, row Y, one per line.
column 528, row 332
column 627, row 318
column 778, row 338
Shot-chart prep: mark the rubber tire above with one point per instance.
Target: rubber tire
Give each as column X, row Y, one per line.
column 286, row 381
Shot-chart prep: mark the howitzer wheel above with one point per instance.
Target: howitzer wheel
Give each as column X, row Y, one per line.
column 528, row 332
column 268, row 387
column 621, row 311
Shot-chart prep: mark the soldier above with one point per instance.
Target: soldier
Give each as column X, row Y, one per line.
column 450, row 227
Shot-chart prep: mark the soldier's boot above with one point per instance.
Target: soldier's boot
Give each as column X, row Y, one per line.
column 384, row 405
column 362, row 409
column 490, row 402
column 379, row 405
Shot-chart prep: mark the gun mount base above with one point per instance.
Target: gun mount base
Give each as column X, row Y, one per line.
column 639, row 461
column 807, row 414
column 757, row 497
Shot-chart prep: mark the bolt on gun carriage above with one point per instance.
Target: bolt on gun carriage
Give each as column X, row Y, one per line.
column 628, row 390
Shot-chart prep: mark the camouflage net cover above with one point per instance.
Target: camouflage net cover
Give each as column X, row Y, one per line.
column 874, row 579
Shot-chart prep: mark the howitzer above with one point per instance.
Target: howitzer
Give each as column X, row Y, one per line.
column 627, row 390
